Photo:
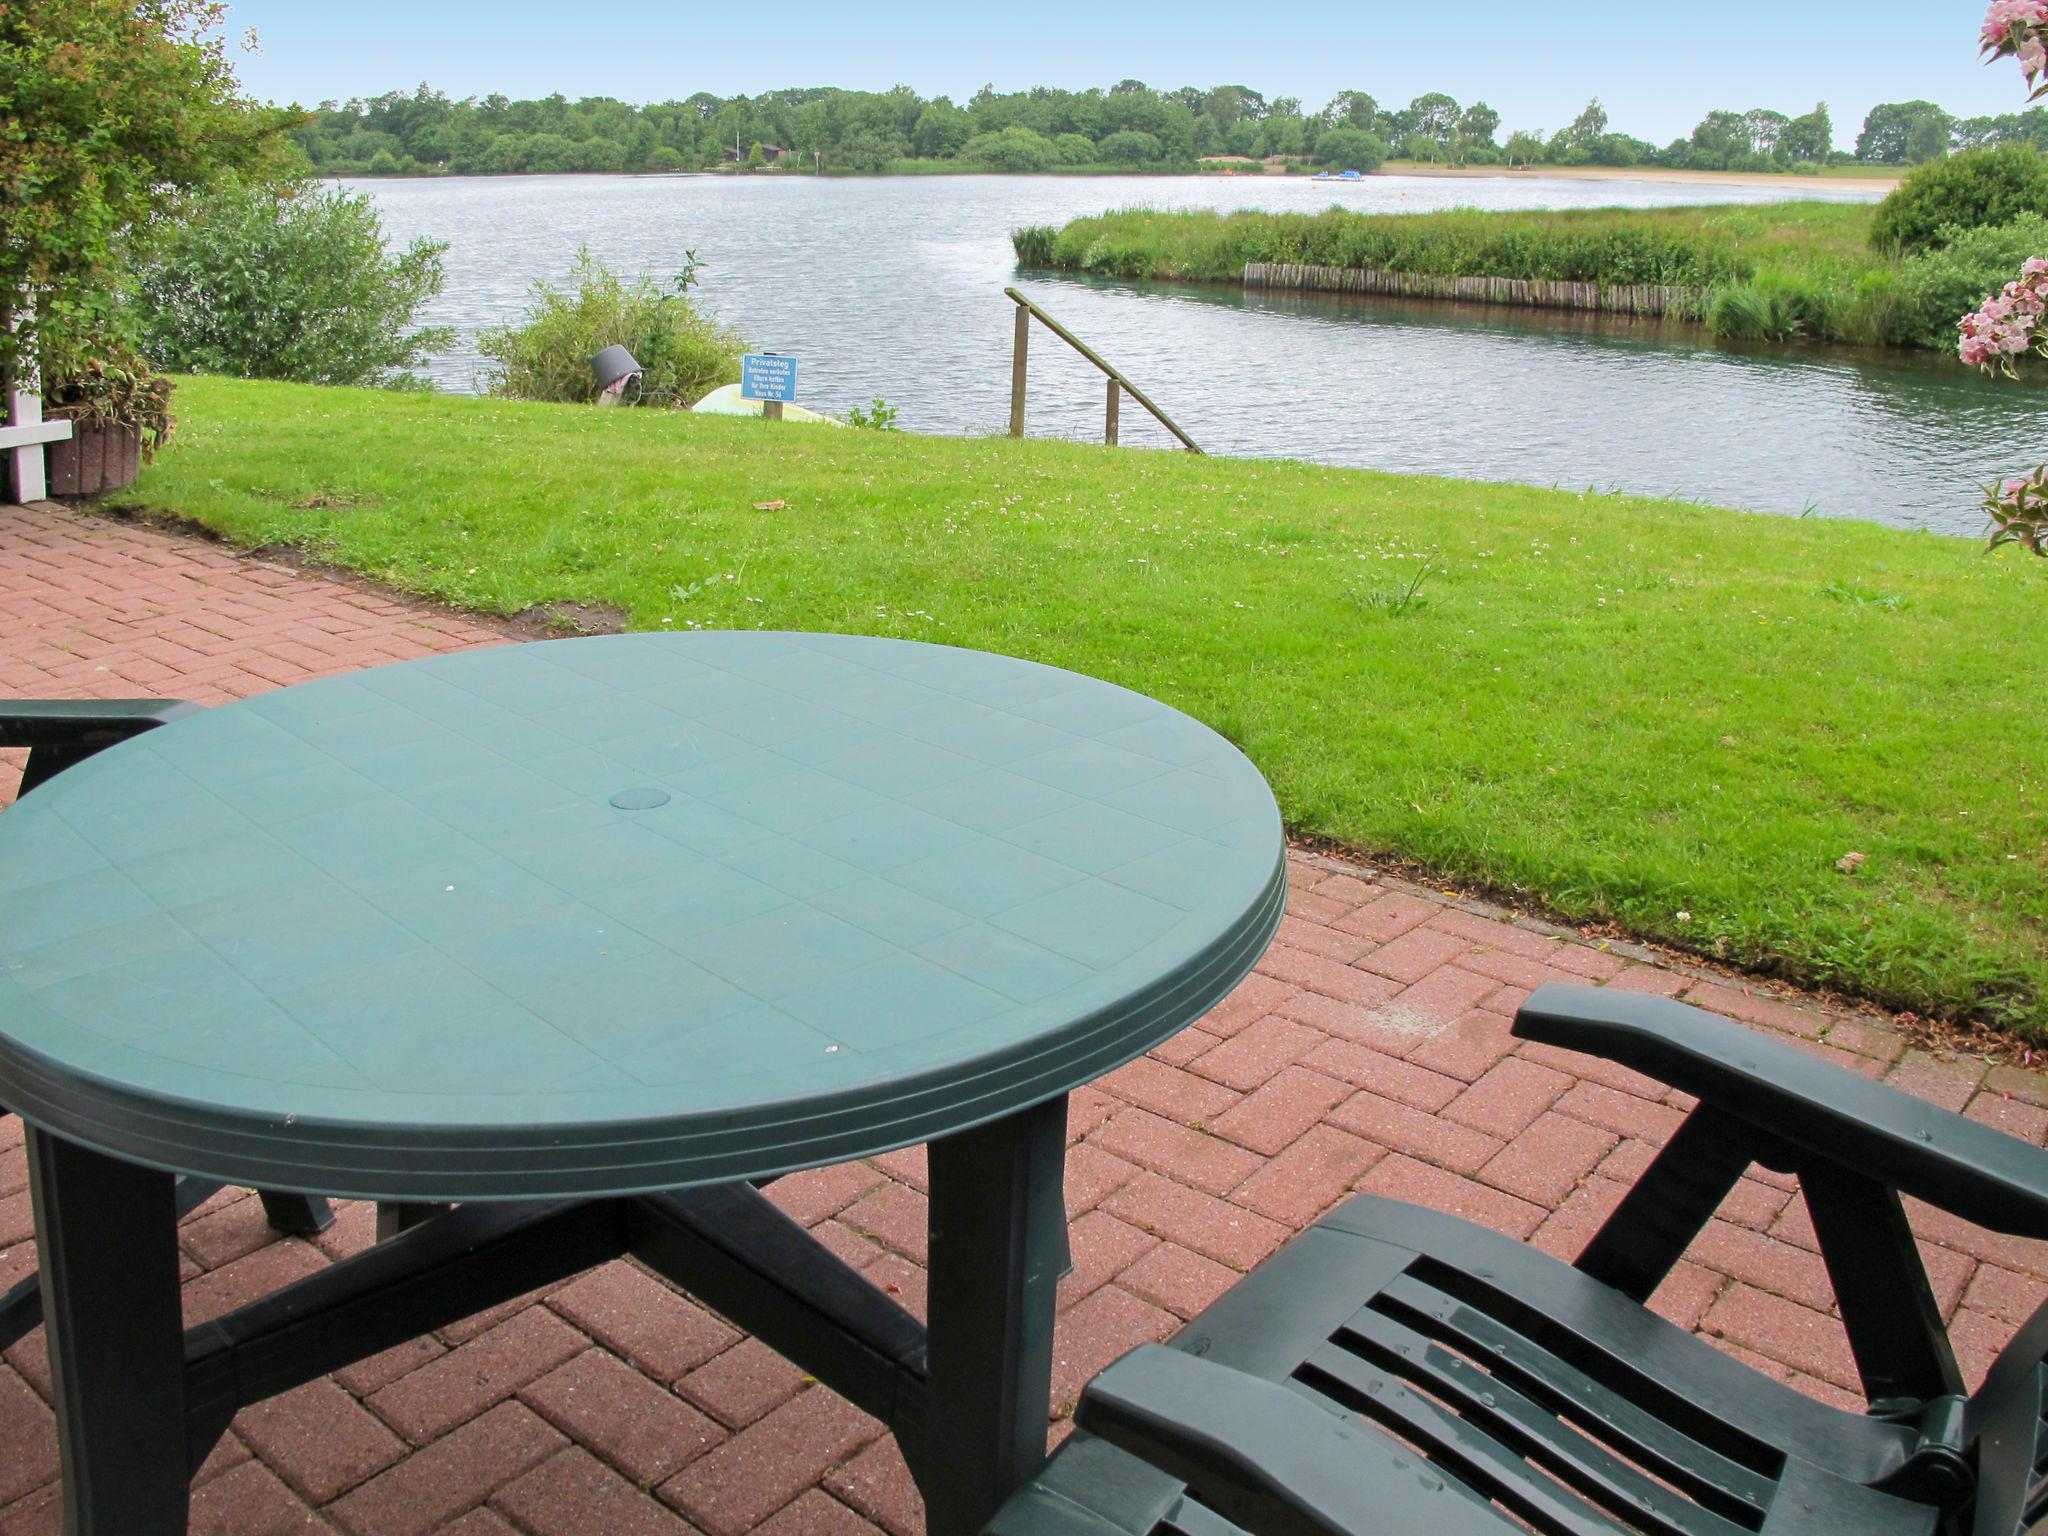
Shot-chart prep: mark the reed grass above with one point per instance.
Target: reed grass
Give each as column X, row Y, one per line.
column 1777, row 271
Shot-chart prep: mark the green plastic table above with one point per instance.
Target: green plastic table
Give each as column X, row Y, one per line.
column 590, row 938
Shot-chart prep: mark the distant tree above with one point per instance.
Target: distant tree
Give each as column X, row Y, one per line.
column 1128, row 148
column 1351, row 109
column 1479, row 124
column 1524, row 148
column 1435, row 116
column 870, row 151
column 1893, row 131
column 942, row 131
column 1808, row 138
column 1765, row 128
column 1720, row 139
column 1280, row 135
column 1929, row 138
column 1350, row 149
column 1421, row 148
column 1128, row 87
column 1229, row 105
column 1585, row 129
column 1013, row 149
column 664, row 157
column 1076, row 149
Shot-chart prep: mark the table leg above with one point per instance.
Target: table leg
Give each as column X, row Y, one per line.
column 107, row 1241
column 998, row 1244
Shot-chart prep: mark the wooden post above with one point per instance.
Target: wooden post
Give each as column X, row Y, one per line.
column 1017, row 368
column 1109, row 414
column 22, row 428
column 771, row 410
column 1025, row 310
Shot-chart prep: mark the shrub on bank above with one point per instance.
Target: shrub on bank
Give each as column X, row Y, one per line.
column 1978, row 189
column 685, row 354
column 1350, row 149
column 290, row 282
column 1937, row 287
column 1016, row 148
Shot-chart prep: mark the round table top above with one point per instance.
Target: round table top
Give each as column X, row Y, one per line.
column 610, row 915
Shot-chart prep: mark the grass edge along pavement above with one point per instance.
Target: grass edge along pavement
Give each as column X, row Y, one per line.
column 1807, row 266
column 1799, row 746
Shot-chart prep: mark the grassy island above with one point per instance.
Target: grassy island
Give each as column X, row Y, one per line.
column 1675, row 719
column 1765, row 271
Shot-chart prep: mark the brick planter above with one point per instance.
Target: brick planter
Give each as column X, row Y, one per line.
column 99, row 456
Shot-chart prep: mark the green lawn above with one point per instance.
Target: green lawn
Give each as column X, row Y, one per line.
column 1669, row 716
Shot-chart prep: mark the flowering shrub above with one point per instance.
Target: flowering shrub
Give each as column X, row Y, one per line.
column 2018, row 29
column 2005, row 327
column 2019, row 511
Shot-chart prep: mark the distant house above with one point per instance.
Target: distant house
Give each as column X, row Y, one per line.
column 770, row 154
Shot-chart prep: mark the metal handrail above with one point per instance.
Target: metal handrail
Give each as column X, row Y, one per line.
column 1026, row 309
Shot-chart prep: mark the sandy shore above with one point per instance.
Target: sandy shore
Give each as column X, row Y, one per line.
column 1637, row 173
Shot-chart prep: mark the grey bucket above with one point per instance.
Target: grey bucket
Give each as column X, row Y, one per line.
column 611, row 365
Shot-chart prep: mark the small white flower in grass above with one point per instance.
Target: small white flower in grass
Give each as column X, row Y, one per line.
column 1685, row 917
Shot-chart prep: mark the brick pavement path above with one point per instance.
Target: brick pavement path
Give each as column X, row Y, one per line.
column 1371, row 1051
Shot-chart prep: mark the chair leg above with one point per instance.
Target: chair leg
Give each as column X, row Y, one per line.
column 998, row 1247
column 108, row 1244
column 296, row 1215
column 21, row 1310
column 396, row 1216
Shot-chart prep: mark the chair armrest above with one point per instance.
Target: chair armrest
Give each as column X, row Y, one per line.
column 62, row 732
column 77, row 722
column 1827, row 1113
column 1268, row 1459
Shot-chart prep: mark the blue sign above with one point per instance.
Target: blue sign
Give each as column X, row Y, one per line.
column 765, row 376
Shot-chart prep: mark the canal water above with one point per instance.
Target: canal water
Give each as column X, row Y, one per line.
column 892, row 287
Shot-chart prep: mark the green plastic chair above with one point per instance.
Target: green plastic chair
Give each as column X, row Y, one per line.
column 1397, row 1372
column 58, row 734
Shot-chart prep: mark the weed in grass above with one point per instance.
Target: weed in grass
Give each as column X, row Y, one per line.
column 879, row 417
column 1401, row 595
column 1863, row 597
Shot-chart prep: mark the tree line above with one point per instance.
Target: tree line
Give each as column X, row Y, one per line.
column 1130, row 124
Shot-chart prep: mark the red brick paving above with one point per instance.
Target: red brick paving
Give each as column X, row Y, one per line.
column 1369, row 1052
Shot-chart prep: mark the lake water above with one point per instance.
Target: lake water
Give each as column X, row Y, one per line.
column 893, row 287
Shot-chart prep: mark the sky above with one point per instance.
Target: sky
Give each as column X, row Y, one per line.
column 1657, row 69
